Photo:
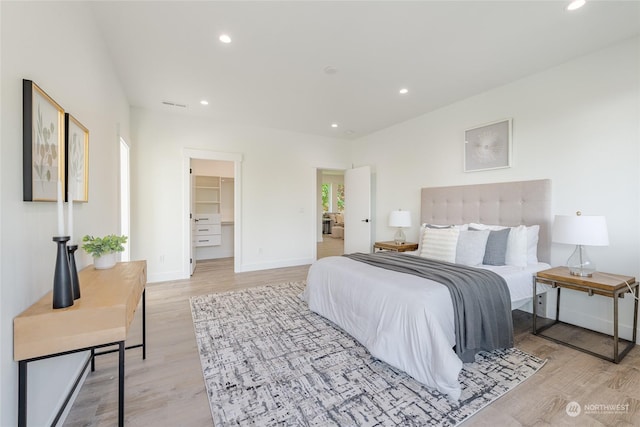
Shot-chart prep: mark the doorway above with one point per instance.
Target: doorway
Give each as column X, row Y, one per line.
column 331, row 207
column 212, row 209
column 189, row 209
column 357, row 231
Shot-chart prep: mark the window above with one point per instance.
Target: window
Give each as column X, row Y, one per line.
column 326, row 197
column 340, row 197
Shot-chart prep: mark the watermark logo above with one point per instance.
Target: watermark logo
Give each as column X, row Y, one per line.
column 606, row 408
column 573, row 409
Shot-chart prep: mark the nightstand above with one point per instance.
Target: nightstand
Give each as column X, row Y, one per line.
column 392, row 246
column 613, row 286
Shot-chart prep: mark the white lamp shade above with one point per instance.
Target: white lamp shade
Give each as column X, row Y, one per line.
column 580, row 230
column 400, row 219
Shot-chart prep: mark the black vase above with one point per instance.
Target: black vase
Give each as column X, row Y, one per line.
column 62, row 288
column 75, row 283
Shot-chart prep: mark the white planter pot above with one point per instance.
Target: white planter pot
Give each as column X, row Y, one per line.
column 105, row 261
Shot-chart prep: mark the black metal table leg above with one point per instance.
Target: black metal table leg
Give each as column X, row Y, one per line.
column 121, row 384
column 535, row 306
column 144, row 324
column 22, row 393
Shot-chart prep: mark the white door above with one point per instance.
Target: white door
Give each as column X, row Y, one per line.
column 192, row 210
column 357, row 212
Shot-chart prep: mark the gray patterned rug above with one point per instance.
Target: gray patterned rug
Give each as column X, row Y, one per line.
column 268, row 360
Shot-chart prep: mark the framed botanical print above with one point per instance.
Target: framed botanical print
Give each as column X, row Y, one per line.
column 43, row 144
column 77, row 155
column 488, row 146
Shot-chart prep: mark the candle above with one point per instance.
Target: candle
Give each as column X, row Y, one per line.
column 70, row 216
column 60, row 212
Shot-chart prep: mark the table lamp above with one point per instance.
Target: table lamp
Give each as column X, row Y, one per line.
column 580, row 230
column 400, row 219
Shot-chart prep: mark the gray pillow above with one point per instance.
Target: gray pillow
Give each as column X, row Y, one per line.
column 471, row 247
column 494, row 253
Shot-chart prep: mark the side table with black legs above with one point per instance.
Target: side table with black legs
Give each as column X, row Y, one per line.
column 393, row 246
column 613, row 286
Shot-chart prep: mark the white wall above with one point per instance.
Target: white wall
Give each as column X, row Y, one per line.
column 56, row 46
column 278, row 189
column 577, row 124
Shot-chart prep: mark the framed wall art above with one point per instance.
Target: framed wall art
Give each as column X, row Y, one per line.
column 43, row 144
column 488, row 146
column 77, row 156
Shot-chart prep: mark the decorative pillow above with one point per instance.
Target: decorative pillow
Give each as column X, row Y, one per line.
column 424, row 226
column 516, row 254
column 471, row 247
column 496, row 249
column 440, row 244
column 532, row 244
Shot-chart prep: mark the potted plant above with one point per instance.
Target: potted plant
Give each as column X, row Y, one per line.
column 104, row 249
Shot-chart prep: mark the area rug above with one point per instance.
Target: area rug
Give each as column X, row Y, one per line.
column 268, row 360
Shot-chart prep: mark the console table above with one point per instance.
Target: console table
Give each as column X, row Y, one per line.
column 100, row 318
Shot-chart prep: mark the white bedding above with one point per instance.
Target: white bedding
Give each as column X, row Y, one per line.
column 404, row 320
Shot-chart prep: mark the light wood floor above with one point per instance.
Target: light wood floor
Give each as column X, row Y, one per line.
column 167, row 388
column 330, row 247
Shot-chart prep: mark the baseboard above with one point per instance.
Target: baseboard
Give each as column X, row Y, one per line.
column 81, row 375
column 598, row 324
column 275, row 264
column 165, row 277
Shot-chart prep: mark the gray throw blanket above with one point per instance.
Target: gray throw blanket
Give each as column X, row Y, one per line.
column 481, row 299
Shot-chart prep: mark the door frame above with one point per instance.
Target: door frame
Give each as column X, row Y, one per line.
column 125, row 196
column 317, row 205
column 236, row 158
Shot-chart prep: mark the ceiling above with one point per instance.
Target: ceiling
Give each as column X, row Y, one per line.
column 273, row 74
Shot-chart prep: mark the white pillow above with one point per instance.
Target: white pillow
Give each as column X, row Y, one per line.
column 471, row 247
column 517, row 249
column 440, row 244
column 532, row 244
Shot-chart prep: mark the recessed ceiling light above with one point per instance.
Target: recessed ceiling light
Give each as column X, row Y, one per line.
column 225, row 38
column 330, row 69
column 403, row 91
column 576, row 4
column 204, row 102
column 334, row 125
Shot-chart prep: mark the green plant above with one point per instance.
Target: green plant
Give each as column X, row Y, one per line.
column 98, row 246
column 326, row 191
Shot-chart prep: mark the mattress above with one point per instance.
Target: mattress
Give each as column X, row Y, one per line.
column 403, row 320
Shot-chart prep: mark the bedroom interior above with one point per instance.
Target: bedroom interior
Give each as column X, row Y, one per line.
column 571, row 95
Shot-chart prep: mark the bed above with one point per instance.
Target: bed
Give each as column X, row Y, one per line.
column 408, row 321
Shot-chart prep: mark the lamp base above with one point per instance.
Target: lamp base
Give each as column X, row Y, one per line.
column 399, row 237
column 579, row 263
column 580, row 273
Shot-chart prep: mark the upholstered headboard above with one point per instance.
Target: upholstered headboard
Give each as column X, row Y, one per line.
column 505, row 203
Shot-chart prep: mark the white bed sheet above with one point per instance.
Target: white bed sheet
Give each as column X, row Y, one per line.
column 404, row 320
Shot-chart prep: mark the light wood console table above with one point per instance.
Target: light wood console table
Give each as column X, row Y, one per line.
column 100, row 318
